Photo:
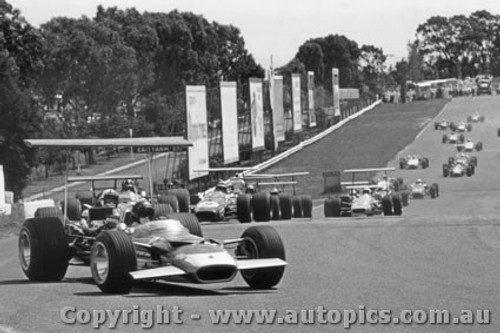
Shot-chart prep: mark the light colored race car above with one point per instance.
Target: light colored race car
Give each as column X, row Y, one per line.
column 461, row 127
column 374, row 199
column 413, row 162
column 420, row 190
column 443, row 124
column 475, row 118
column 460, row 165
column 219, row 202
column 454, row 138
column 469, row 146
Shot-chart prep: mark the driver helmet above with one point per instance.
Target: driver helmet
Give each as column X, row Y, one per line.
column 110, row 198
column 419, row 181
column 354, row 192
column 222, row 187
column 469, row 140
column 366, row 190
column 275, row 190
column 250, row 189
column 128, row 185
column 143, row 209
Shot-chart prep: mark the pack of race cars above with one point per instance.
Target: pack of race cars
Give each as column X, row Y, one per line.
column 389, row 195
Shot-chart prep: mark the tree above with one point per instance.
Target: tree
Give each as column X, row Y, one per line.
column 372, row 63
column 20, row 63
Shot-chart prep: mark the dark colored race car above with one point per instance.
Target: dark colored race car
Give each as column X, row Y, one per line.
column 460, row 165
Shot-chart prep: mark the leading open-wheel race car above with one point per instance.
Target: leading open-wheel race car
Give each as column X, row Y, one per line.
column 374, row 199
column 460, row 165
column 144, row 244
column 413, row 162
column 443, row 124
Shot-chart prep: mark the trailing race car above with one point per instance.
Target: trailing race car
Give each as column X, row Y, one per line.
column 461, row 127
column 147, row 245
column 374, row 200
column 475, row 118
column 460, row 165
column 442, row 124
column 453, row 138
column 413, row 162
column 469, row 146
column 420, row 190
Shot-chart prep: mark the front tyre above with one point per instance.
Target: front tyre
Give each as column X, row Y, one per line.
column 43, row 249
column 112, row 258
column 260, row 242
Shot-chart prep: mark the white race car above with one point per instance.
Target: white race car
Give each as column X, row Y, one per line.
column 413, row 162
column 469, row 146
column 475, row 118
column 453, row 138
column 420, row 190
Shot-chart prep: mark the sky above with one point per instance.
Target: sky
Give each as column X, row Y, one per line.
column 274, row 29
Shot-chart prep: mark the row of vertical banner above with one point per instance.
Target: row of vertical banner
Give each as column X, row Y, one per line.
column 197, row 127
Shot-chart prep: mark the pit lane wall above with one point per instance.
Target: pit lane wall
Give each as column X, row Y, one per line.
column 260, row 167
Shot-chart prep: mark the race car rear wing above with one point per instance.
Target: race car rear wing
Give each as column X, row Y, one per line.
column 148, row 145
column 102, row 178
column 353, row 173
column 258, row 177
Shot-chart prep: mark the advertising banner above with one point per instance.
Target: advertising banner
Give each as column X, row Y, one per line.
column 278, row 111
column 296, row 105
column 257, row 113
column 310, row 99
column 2, row 186
column 197, row 131
column 229, row 113
column 336, row 92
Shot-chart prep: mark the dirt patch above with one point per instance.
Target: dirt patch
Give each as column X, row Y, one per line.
column 368, row 141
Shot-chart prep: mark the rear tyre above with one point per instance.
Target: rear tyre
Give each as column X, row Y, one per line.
column 473, row 161
column 85, row 197
column 402, row 163
column 260, row 242
column 297, row 207
column 275, row 207
column 112, row 258
column 163, row 210
column 469, row 171
column 434, row 191
column 43, row 249
column 446, row 170
column 332, row 207
column 244, row 208
column 285, row 206
column 387, row 205
column 49, row 212
column 307, row 205
column 189, row 221
column 74, row 209
column 397, row 205
column 169, row 199
column 262, row 207
column 405, row 195
column 183, row 199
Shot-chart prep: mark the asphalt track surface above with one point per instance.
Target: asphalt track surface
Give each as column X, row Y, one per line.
column 441, row 254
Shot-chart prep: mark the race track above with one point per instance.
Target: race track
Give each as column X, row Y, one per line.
column 441, row 254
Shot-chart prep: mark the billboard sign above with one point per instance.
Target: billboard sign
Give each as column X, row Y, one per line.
column 197, row 130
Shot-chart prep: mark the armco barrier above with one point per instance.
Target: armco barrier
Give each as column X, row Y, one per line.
column 307, row 142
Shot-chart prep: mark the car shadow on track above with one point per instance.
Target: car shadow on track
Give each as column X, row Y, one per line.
column 26, row 281
column 156, row 289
